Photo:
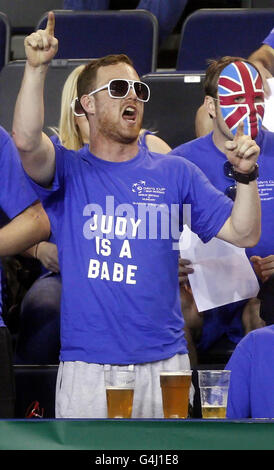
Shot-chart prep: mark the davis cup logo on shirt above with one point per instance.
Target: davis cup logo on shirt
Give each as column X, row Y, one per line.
column 138, row 187
column 147, row 193
column 241, row 97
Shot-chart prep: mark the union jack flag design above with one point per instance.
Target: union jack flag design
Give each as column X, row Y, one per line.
column 241, row 80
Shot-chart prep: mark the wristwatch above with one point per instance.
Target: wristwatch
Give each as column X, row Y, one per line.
column 245, row 178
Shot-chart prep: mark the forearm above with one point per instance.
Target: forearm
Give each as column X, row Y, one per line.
column 243, row 228
column 30, row 252
column 28, row 119
column 35, row 148
column 24, row 231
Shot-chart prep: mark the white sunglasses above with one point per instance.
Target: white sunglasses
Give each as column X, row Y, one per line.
column 117, row 88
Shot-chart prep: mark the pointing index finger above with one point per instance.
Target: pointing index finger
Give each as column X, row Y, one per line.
column 50, row 23
column 240, row 130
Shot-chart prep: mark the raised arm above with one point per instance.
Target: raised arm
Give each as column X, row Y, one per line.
column 35, row 147
column 243, row 228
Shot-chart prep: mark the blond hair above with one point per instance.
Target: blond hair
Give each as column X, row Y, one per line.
column 68, row 132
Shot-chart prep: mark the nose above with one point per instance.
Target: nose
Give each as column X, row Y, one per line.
column 131, row 91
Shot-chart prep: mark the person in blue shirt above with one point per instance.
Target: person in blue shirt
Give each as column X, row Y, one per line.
column 28, row 225
column 233, row 93
column 120, row 304
column 38, row 339
column 167, row 13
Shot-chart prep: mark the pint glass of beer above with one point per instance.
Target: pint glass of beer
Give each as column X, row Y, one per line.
column 119, row 392
column 213, row 385
column 175, row 387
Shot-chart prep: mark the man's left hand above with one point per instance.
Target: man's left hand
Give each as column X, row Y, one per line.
column 242, row 151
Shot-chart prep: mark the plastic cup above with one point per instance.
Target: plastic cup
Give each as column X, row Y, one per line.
column 175, row 387
column 213, row 385
column 119, row 392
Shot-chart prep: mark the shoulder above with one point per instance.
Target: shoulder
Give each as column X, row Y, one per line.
column 267, row 135
column 265, row 141
column 189, row 149
column 8, row 148
column 62, row 151
column 258, row 338
column 262, row 334
column 5, row 136
column 175, row 165
column 55, row 139
column 269, row 40
column 152, row 142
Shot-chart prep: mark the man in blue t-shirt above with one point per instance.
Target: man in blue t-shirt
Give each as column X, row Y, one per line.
column 116, row 215
column 234, row 93
column 29, row 225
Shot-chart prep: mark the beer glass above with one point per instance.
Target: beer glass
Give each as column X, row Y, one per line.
column 119, row 392
column 175, row 387
column 213, row 385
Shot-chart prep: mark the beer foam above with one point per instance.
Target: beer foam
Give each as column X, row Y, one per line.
column 177, row 372
column 112, row 387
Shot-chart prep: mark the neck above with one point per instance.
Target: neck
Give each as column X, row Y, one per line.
column 113, row 151
column 219, row 138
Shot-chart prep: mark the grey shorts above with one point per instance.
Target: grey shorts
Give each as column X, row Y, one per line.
column 80, row 388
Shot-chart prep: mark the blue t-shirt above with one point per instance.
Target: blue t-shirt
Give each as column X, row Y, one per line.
column 16, row 193
column 269, row 40
column 252, row 379
column 119, row 263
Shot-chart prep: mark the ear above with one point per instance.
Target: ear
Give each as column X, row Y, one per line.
column 210, row 105
column 88, row 104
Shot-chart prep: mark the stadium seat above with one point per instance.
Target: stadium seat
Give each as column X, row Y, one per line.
column 213, row 33
column 5, row 34
column 171, row 109
column 10, row 80
column 23, row 16
column 86, row 34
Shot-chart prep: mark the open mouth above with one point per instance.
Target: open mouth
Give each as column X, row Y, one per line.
column 130, row 113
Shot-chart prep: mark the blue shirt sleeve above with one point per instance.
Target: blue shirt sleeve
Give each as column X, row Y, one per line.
column 269, row 40
column 57, row 183
column 53, row 196
column 16, row 193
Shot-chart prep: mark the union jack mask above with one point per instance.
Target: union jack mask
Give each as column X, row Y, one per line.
column 241, row 97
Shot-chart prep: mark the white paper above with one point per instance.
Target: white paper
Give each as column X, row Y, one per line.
column 268, row 120
column 222, row 272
